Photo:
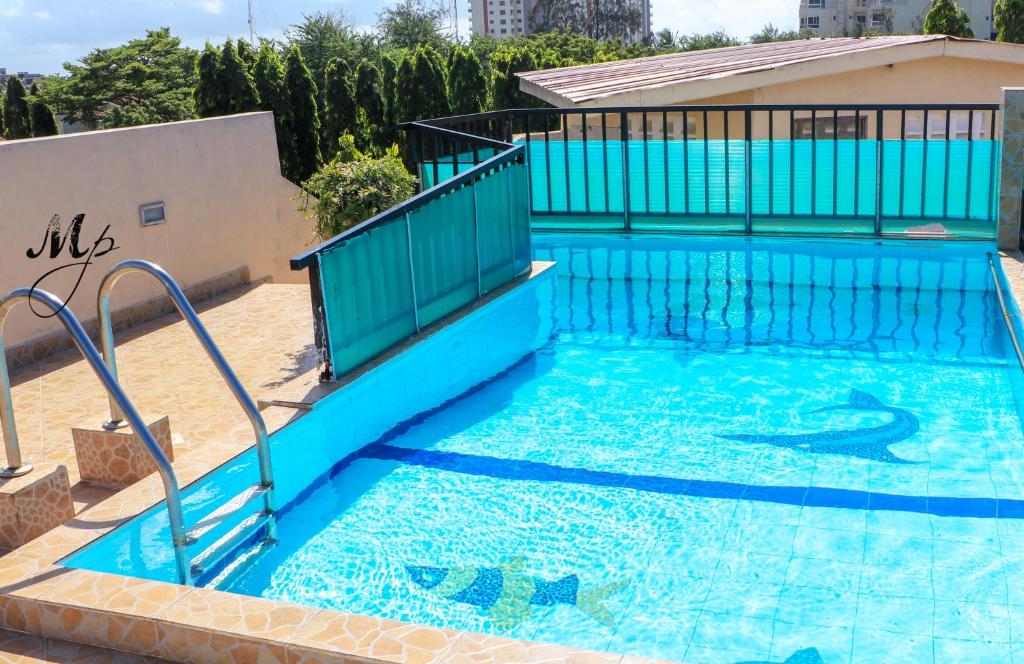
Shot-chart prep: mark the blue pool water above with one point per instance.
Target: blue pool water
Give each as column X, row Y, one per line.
column 717, row 450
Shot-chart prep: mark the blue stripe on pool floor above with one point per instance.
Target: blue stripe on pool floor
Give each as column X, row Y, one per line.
column 517, row 469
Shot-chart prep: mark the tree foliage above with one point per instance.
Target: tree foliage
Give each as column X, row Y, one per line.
column 209, row 94
column 304, row 120
column 354, row 187
column 370, row 98
column 17, row 118
column 1010, row 21
column 273, row 94
column 236, row 82
column 504, row 65
column 340, row 108
column 947, row 18
column 769, row 33
column 323, row 36
column 43, row 120
column 466, row 82
column 144, row 81
column 408, row 24
column 422, row 87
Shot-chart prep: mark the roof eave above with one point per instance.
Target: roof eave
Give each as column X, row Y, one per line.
column 675, row 92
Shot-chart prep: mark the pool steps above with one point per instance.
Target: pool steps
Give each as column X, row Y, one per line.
column 229, row 543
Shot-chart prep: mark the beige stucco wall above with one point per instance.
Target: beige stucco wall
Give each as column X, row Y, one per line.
column 227, row 206
column 939, row 80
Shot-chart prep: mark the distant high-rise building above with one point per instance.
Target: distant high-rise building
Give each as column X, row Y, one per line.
column 26, row 78
column 824, row 18
column 508, row 18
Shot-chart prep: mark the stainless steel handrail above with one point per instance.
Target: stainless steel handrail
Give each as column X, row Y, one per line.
column 181, row 303
column 117, row 396
column 1007, row 317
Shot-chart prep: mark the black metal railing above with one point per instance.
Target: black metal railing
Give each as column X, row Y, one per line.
column 388, row 277
column 874, row 169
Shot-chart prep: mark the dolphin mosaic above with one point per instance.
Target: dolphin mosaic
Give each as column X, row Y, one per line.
column 508, row 594
column 867, row 443
column 805, row 656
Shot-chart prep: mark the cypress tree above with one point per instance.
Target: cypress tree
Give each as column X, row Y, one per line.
column 505, row 65
column 1010, row 21
column 422, row 89
column 247, row 54
column 466, row 82
column 340, row 110
column 209, row 94
column 236, row 82
column 947, row 18
column 389, row 84
column 16, row 110
column 370, row 98
column 305, row 124
column 269, row 80
column 44, row 122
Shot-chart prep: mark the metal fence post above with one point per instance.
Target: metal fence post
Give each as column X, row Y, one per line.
column 879, row 181
column 624, row 135
column 748, row 190
column 412, row 273
column 476, row 239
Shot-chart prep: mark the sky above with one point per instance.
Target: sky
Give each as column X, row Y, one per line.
column 38, row 36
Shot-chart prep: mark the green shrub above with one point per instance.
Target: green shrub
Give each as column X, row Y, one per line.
column 353, row 187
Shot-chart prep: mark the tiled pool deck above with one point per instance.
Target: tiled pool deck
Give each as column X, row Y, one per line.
column 266, row 335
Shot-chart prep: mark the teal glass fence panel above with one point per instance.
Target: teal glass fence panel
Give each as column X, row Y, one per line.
column 948, row 182
column 444, row 252
column 367, row 294
column 497, row 236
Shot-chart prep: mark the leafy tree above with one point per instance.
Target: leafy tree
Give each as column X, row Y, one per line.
column 664, row 39
column 209, row 93
column 770, row 33
column 270, row 85
column 303, row 118
column 247, row 54
column 505, row 65
column 370, row 97
column 17, row 117
column 422, row 89
column 354, row 187
column 466, row 82
column 235, row 81
column 947, row 18
column 697, row 42
column 340, row 110
column 323, row 36
column 44, row 122
column 3, row 105
column 410, row 24
column 150, row 80
column 389, row 89
column 1010, row 21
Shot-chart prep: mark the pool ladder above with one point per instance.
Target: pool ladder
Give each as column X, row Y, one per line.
column 123, row 413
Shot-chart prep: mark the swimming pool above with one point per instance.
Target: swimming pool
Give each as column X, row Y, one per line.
column 710, row 449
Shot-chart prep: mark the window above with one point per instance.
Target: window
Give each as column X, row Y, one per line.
column 846, row 125
column 152, row 214
column 813, row 22
column 877, row 19
column 862, row 19
column 815, row 4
